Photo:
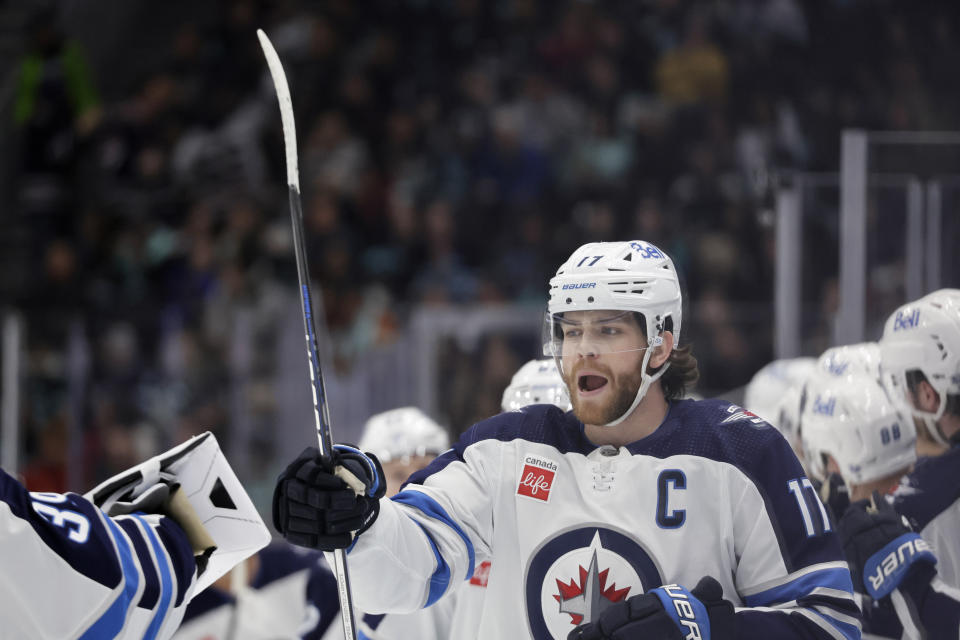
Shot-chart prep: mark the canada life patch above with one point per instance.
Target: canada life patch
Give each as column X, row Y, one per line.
column 536, row 478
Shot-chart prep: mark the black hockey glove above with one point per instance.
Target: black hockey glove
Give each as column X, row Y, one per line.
column 665, row 613
column 880, row 547
column 325, row 504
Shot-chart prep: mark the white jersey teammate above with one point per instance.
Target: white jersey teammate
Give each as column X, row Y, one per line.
column 597, row 521
column 911, row 576
column 920, row 351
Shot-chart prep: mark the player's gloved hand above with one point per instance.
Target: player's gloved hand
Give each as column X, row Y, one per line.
column 324, row 504
column 880, row 547
column 665, row 613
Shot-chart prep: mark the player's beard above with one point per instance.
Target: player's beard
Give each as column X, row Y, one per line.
column 596, row 411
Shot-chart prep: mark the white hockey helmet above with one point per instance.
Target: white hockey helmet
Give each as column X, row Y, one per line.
column 621, row 277
column 536, row 382
column 944, row 296
column 852, row 419
column 924, row 337
column 861, row 359
column 403, row 433
column 774, row 392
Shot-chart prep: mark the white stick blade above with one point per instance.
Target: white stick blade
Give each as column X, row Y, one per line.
column 286, row 108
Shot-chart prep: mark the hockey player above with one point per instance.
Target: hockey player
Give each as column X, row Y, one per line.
column 128, row 570
column 895, row 566
column 920, row 352
column 774, row 394
column 851, row 427
column 597, row 519
column 856, row 442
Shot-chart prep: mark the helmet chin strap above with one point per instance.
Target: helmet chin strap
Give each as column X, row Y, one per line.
column 645, row 381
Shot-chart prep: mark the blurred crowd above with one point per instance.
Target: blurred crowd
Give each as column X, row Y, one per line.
column 452, row 152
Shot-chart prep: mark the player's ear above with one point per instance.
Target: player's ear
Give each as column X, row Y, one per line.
column 661, row 353
column 926, row 396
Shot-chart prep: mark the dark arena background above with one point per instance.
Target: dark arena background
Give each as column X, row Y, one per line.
column 798, row 159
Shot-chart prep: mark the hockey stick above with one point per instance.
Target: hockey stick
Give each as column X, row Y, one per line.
column 321, row 412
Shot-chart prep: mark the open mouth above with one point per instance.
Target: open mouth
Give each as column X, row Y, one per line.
column 590, row 382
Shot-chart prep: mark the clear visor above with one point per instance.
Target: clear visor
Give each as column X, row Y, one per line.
column 581, row 333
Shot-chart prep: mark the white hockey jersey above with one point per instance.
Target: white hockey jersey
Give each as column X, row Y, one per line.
column 930, row 499
column 571, row 528
column 69, row 571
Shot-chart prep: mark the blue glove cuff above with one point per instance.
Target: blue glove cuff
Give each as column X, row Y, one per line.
column 885, row 570
column 685, row 610
column 371, row 467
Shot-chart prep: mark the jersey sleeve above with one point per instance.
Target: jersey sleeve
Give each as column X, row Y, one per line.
column 71, row 571
column 433, row 532
column 791, row 573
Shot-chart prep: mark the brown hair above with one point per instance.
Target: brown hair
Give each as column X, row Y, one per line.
column 683, row 373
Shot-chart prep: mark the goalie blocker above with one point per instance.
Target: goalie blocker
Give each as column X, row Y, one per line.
column 194, row 484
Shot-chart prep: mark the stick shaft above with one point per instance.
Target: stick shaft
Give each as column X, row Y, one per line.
column 321, row 412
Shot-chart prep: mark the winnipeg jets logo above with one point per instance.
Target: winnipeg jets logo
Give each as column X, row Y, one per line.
column 738, row 413
column 577, row 574
column 591, row 597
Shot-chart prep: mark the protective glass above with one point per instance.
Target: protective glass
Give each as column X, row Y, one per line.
column 593, row 333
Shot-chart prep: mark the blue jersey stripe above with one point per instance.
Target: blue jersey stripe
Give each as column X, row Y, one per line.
column 833, row 578
column 111, row 622
column 440, row 579
column 166, row 581
column 432, row 508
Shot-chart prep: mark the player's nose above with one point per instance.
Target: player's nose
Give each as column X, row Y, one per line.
column 587, row 348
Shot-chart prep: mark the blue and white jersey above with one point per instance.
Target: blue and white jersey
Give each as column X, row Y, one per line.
column 292, row 594
column 69, row 571
column 571, row 528
column 930, row 499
